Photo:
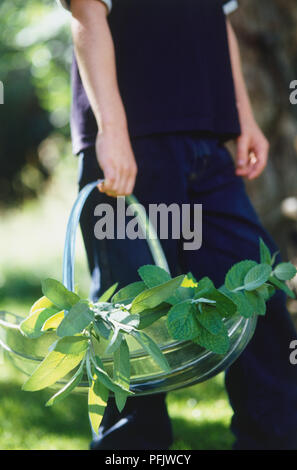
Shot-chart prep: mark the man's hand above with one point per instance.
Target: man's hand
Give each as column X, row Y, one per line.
column 252, row 145
column 252, row 150
column 116, row 159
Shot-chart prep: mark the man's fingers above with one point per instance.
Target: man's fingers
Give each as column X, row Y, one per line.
column 119, row 183
column 257, row 168
column 242, row 157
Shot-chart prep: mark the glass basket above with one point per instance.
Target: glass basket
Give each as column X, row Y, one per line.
column 190, row 363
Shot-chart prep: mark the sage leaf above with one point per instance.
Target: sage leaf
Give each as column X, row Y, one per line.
column 257, row 276
column 151, row 315
column 97, row 402
column 121, row 365
column 77, row 319
column 55, row 366
column 128, row 293
column 58, row 294
column 127, row 321
column 115, row 341
column 72, row 345
column 150, row 298
column 104, row 377
column 32, row 325
column 152, row 349
column 109, row 293
column 41, row 303
column 101, row 328
column 153, row 275
column 53, row 322
column 181, row 322
column 236, row 275
column 120, row 399
column 285, row 271
column 67, row 389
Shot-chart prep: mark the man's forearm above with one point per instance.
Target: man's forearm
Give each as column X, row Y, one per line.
column 242, row 98
column 96, row 60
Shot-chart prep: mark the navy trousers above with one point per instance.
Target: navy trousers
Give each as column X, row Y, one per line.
column 262, row 384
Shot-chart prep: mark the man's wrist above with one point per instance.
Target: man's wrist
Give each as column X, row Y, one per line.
column 109, row 127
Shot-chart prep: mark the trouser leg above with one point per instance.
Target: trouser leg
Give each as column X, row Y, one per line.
column 262, row 384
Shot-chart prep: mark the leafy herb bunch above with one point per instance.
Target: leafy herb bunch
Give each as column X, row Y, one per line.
column 195, row 311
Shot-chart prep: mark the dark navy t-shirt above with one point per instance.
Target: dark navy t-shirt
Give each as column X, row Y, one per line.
column 173, row 68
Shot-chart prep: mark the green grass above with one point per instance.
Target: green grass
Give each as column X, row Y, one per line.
column 200, row 417
column 32, row 239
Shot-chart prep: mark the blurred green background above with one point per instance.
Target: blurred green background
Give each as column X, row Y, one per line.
column 38, row 186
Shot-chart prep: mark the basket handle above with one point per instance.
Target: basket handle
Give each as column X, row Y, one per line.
column 73, row 222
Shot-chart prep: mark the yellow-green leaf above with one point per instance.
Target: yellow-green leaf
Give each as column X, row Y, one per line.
column 55, row 366
column 32, row 325
column 53, row 322
column 41, row 303
column 97, row 401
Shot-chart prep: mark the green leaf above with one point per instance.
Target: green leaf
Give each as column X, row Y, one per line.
column 152, row 348
column 282, row 285
column 58, row 294
column 40, row 304
column 257, row 301
column 285, row 271
column 210, row 319
column 104, row 377
column 151, row 315
column 126, row 320
column 77, row 319
column 257, row 276
column 244, row 308
column 128, row 293
column 156, row 295
column 224, row 305
column 67, row 389
column 120, row 399
column 153, row 275
column 121, row 365
column 72, row 345
column 32, row 325
column 273, row 259
column 205, row 285
column 265, row 255
column 97, row 402
column 115, row 342
column 55, row 366
column 264, row 292
column 108, row 293
column 101, row 328
column 235, row 276
column 218, row 343
column 181, row 322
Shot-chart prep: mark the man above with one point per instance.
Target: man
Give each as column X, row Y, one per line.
column 158, row 89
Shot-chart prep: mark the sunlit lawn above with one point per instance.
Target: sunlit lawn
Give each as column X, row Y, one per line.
column 31, row 248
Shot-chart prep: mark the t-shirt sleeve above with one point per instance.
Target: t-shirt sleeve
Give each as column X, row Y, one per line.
column 66, row 4
column 229, row 6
